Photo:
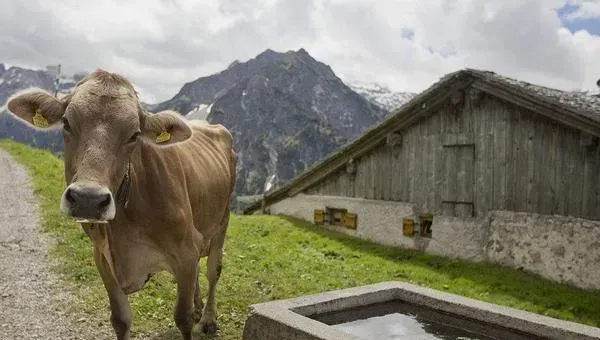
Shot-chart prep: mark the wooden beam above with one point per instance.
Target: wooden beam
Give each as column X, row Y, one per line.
column 588, row 140
column 394, row 139
column 457, row 97
column 457, row 139
column 474, row 94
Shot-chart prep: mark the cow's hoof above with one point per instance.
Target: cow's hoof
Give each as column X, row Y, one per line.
column 209, row 328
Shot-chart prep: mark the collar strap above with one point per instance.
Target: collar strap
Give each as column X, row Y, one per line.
column 123, row 192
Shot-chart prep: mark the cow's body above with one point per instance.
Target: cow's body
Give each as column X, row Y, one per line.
column 177, row 202
column 155, row 207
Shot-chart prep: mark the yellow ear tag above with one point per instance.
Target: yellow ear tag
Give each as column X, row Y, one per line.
column 163, row 137
column 39, row 120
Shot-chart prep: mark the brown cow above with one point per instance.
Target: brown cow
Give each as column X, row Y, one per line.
column 150, row 190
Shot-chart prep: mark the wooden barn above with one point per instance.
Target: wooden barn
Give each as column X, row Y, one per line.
column 478, row 166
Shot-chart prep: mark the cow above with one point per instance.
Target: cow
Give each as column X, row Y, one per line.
column 150, row 190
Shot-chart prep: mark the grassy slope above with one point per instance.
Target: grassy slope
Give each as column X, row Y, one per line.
column 270, row 257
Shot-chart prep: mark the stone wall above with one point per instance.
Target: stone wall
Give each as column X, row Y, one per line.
column 560, row 248
column 563, row 249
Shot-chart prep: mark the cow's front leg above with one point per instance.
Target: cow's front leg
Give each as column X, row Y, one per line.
column 184, row 307
column 198, row 304
column 208, row 322
column 120, row 316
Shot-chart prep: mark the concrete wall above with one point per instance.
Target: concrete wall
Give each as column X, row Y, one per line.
column 377, row 221
column 563, row 249
column 456, row 238
column 381, row 222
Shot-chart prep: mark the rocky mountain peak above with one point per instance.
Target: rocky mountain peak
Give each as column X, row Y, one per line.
column 233, row 64
column 286, row 111
column 268, row 55
column 16, row 78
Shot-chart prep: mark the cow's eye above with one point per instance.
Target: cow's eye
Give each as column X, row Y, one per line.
column 133, row 138
column 66, row 125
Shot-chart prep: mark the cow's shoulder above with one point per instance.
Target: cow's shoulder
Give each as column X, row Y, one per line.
column 214, row 132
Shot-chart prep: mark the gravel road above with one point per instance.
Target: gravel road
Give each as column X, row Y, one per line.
column 30, row 294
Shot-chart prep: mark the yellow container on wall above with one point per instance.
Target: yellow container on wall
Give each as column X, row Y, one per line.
column 408, row 227
column 319, row 216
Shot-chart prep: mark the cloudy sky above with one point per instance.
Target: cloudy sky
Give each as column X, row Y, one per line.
column 404, row 44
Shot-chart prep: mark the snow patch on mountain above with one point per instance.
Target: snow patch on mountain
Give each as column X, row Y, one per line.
column 381, row 95
column 199, row 112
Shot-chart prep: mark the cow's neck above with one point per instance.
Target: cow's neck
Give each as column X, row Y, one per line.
column 130, row 199
column 101, row 233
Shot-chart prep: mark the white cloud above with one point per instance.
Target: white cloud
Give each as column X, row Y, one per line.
column 161, row 44
column 588, row 47
column 523, row 39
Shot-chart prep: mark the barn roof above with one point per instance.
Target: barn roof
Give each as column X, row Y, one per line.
column 582, row 103
column 573, row 108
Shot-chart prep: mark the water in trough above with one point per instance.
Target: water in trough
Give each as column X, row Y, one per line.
column 397, row 320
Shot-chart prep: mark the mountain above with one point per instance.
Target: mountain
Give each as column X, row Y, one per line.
column 381, row 95
column 17, row 78
column 286, row 111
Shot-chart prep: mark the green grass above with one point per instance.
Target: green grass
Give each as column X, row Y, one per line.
column 271, row 257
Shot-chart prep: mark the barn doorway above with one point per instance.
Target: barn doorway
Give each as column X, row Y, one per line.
column 459, row 180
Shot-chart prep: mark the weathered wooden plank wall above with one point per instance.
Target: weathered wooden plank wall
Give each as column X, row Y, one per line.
column 481, row 150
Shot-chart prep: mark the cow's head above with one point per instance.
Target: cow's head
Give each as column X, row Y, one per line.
column 103, row 123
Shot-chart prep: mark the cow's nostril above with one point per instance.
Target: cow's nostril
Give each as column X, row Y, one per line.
column 105, row 201
column 69, row 196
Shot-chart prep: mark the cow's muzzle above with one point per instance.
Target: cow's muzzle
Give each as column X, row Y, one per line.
column 88, row 203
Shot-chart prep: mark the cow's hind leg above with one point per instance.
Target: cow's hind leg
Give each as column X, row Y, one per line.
column 208, row 322
column 120, row 316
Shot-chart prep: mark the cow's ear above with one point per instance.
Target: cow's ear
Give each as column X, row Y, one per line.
column 165, row 128
column 36, row 107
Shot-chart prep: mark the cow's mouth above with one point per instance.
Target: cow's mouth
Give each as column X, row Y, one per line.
column 89, row 220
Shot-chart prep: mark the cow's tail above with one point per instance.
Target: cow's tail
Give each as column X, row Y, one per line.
column 233, row 170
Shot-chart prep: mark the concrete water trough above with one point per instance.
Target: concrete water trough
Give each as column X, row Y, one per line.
column 401, row 311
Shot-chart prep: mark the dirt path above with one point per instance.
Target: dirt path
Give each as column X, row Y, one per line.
column 29, row 302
